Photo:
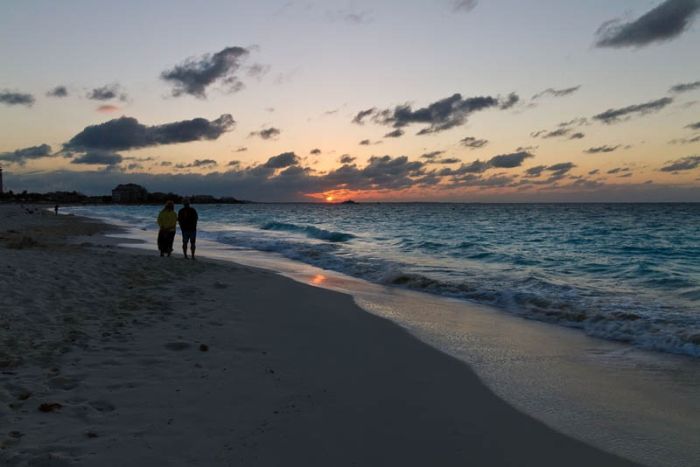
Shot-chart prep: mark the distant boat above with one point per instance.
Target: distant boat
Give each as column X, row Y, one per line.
column 349, row 201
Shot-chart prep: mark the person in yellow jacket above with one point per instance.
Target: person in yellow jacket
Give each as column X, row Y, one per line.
column 167, row 221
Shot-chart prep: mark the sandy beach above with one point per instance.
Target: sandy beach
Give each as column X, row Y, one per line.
column 111, row 356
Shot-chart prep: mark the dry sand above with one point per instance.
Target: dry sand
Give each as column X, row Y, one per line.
column 114, row 357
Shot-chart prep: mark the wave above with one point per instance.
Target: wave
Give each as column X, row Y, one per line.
column 309, row 231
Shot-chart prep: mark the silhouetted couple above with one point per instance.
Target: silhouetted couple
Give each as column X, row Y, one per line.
column 167, row 221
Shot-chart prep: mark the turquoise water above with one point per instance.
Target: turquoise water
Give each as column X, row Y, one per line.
column 627, row 272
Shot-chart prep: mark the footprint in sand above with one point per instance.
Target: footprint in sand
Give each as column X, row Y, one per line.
column 177, row 346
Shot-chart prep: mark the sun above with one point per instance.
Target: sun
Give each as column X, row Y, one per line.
column 330, row 198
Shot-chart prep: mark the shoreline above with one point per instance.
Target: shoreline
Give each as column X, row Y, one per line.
column 558, row 375
column 304, row 373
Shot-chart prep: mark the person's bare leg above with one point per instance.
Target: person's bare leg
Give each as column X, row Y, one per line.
column 192, row 247
column 184, row 249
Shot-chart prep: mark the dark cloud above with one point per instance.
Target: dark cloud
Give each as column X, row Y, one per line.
column 365, row 142
column 347, row 159
column 686, row 163
column 98, row 157
column 441, row 115
column 315, row 151
column 601, row 149
column 106, row 93
column 127, row 133
column 362, row 114
column 535, row 171
column 233, row 164
column 241, row 149
column 556, row 92
column 195, row 75
column 665, row 22
column 21, row 156
column 577, row 135
column 594, row 172
column 449, row 160
column 16, row 98
column 58, row 91
column 694, row 126
column 509, row 161
column 462, row 6
column 281, row 161
column 198, row 163
column 694, row 139
column 685, row 87
column 266, row 133
column 618, row 170
column 397, row 133
column 473, row 143
column 509, row 101
column 616, row 115
column 431, row 155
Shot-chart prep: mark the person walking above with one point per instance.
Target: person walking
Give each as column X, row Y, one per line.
column 167, row 221
column 187, row 217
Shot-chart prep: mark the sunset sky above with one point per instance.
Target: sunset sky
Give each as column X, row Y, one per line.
column 490, row 100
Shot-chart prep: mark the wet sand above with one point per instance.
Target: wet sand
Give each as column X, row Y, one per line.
column 111, row 356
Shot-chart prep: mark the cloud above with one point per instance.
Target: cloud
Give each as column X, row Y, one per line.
column 362, row 114
column 694, row 139
column 233, row 164
column 347, row 159
column 509, row 161
column 463, row 6
column 315, row 151
column 241, row 149
column 16, row 98
column 556, row 92
column 685, row 87
column 618, row 170
column 58, row 91
column 365, row 142
column 601, row 149
column 431, row 155
column 577, row 135
column 98, row 157
column 350, row 16
column 281, row 161
column 449, row 160
column 106, row 93
column 686, row 163
column 473, row 143
column 127, row 133
column 439, row 116
column 266, row 133
column 21, row 156
column 195, row 75
column 615, row 115
column 594, row 172
column 694, row 126
column 665, row 22
column 535, row 171
column 198, row 163
column 397, row 133
column 108, row 108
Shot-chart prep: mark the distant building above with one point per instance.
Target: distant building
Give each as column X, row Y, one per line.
column 129, row 193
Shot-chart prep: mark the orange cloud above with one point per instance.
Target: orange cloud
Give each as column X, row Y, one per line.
column 108, row 108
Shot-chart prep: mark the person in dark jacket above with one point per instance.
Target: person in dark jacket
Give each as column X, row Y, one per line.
column 187, row 218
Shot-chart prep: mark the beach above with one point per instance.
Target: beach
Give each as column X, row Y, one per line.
column 113, row 356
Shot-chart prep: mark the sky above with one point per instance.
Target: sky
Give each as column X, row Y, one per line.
column 434, row 100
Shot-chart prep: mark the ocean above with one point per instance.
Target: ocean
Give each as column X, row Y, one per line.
column 624, row 272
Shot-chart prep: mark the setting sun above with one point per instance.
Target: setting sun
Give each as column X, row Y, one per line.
column 329, row 199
